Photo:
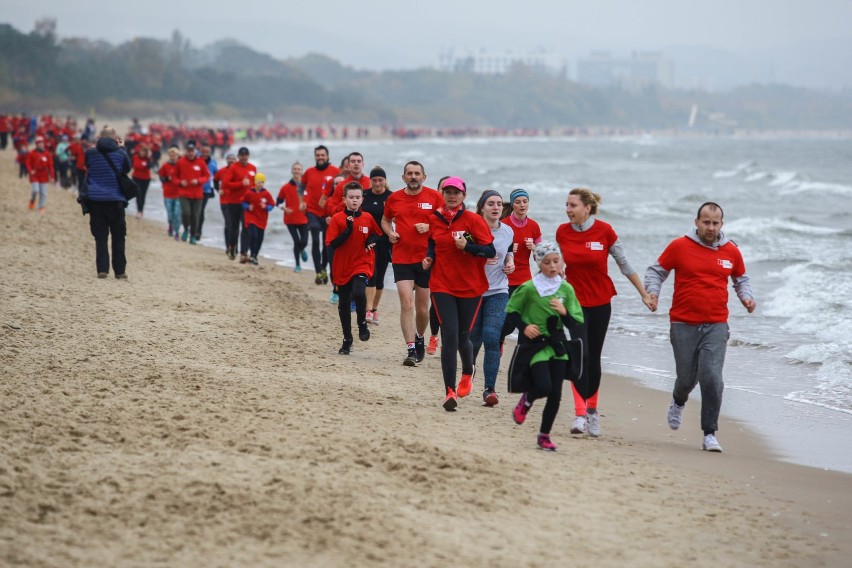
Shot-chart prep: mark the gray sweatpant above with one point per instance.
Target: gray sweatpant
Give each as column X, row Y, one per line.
column 699, row 352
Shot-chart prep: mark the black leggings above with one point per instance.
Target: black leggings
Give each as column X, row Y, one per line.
column 319, row 252
column 547, row 377
column 355, row 289
column 234, row 228
column 594, row 334
column 383, row 253
column 299, row 234
column 434, row 324
column 456, row 316
column 142, row 184
column 255, row 239
column 508, row 328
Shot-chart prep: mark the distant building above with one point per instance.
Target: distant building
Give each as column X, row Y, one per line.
column 642, row 69
column 499, row 62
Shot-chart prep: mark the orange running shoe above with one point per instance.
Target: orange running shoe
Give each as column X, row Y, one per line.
column 433, row 345
column 452, row 401
column 466, row 383
column 32, row 203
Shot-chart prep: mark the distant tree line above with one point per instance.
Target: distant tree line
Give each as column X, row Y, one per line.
column 37, row 70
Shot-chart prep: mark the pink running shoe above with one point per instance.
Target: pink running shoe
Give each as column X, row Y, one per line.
column 521, row 409
column 545, row 444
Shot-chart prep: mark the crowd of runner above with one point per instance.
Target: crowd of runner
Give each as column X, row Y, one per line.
column 465, row 274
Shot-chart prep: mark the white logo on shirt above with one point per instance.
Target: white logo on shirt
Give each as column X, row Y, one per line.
column 594, row 245
column 251, row 172
column 196, row 168
column 365, row 230
column 424, row 205
column 458, row 234
column 724, row 263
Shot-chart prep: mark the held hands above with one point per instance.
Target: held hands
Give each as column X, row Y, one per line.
column 303, row 206
column 427, row 262
column 651, row 301
column 750, row 304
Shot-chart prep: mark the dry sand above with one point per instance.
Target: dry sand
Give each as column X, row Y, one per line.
column 199, row 415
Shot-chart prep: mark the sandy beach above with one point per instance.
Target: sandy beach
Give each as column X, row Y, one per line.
column 198, row 414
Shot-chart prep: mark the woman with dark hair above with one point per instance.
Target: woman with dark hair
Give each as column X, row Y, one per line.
column 492, row 314
column 142, row 164
column 459, row 245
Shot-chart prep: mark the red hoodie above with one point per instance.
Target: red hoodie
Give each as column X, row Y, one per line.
column 232, row 184
column 170, row 188
column 335, row 200
column 352, row 257
column 258, row 201
column 191, row 177
column 40, row 166
column 142, row 167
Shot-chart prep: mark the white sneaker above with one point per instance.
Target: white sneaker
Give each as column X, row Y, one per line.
column 594, row 423
column 711, row 444
column 579, row 425
column 675, row 415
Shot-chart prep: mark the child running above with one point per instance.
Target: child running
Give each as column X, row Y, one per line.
column 352, row 235
column 540, row 308
column 257, row 203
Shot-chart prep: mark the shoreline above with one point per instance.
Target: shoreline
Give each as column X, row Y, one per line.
column 199, row 411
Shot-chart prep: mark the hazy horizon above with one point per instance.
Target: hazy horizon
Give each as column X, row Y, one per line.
column 716, row 46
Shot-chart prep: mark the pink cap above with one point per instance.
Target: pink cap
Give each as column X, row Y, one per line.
column 455, row 182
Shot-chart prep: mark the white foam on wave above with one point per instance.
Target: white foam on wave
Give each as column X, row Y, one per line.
column 816, row 301
column 748, row 226
column 817, row 186
column 780, row 179
column 830, row 387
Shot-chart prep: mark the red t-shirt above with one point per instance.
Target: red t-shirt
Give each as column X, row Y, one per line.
column 352, row 257
column 405, row 211
column 40, row 166
column 79, row 154
column 335, row 200
column 171, row 189
column 586, row 255
column 455, row 271
column 288, row 195
column 701, row 280
column 530, row 230
column 232, row 186
column 318, row 183
column 141, row 167
column 189, row 170
column 257, row 214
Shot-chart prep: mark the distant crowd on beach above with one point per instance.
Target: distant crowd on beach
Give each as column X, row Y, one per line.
column 467, row 278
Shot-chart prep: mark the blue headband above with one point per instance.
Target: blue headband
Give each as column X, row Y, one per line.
column 518, row 193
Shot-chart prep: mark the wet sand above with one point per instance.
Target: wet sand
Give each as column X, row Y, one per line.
column 199, row 414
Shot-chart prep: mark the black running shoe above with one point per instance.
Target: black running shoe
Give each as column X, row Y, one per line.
column 347, row 345
column 363, row 332
column 419, row 348
column 411, row 359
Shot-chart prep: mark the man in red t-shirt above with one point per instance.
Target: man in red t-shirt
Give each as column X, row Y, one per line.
column 703, row 260
column 192, row 174
column 236, row 179
column 313, row 190
column 406, row 223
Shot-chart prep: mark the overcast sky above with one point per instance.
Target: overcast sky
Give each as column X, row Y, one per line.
column 384, row 34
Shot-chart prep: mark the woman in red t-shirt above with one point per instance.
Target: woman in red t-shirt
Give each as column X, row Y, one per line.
column 527, row 235
column 459, row 244
column 294, row 216
column 586, row 243
column 142, row 164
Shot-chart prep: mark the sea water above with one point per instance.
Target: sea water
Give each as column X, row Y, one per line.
column 787, row 204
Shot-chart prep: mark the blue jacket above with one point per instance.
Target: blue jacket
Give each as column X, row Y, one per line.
column 212, row 167
column 101, row 181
